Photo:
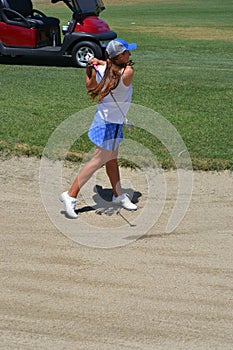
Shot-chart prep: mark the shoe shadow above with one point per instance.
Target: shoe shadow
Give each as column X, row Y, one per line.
column 103, row 201
column 107, row 193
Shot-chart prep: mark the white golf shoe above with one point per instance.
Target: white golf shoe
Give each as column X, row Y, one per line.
column 69, row 204
column 124, row 201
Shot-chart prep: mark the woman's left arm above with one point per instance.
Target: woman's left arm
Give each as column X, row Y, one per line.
column 91, row 82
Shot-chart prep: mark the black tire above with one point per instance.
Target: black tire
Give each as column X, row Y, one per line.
column 81, row 51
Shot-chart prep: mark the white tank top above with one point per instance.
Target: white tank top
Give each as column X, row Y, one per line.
column 108, row 109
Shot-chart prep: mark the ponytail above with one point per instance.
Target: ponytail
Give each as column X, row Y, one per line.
column 109, row 81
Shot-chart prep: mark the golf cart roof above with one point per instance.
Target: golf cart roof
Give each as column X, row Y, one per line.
column 89, row 6
column 84, row 7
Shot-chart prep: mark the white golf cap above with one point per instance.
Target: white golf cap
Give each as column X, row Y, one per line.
column 117, row 46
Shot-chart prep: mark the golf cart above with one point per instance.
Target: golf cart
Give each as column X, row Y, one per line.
column 25, row 31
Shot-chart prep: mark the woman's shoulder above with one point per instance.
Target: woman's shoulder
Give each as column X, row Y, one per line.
column 129, row 70
column 127, row 75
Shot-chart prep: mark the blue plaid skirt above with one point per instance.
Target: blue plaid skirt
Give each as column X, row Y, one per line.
column 106, row 135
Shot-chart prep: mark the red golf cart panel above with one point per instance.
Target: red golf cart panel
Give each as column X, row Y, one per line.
column 92, row 24
column 17, row 36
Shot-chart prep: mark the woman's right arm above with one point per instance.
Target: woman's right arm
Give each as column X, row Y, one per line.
column 91, row 82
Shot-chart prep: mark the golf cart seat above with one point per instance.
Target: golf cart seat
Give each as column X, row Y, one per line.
column 21, row 13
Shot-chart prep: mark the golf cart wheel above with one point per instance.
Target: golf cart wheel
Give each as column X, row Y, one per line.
column 83, row 50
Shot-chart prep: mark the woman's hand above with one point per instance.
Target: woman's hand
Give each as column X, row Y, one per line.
column 96, row 62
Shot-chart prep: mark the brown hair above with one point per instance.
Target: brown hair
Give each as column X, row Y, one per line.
column 109, row 81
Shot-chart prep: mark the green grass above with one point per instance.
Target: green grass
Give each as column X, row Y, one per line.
column 183, row 71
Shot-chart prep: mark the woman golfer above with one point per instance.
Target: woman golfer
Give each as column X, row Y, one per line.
column 111, row 83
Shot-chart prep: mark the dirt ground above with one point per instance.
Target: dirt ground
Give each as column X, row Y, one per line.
column 162, row 291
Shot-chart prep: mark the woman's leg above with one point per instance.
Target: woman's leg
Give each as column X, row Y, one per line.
column 100, row 157
column 121, row 199
column 112, row 170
